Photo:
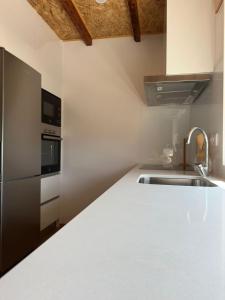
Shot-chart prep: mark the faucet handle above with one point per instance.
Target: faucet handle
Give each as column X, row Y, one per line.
column 200, row 169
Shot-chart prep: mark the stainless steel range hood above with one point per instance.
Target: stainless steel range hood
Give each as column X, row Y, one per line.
column 178, row 89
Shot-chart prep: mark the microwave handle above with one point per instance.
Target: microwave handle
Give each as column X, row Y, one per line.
column 51, row 137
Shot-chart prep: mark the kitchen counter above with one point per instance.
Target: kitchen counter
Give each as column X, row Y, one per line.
column 135, row 242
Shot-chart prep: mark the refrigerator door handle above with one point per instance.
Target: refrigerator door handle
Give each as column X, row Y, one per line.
column 21, row 178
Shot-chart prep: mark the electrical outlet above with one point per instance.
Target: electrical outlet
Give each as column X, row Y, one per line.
column 214, row 140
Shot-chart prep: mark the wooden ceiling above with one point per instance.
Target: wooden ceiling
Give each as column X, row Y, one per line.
column 87, row 20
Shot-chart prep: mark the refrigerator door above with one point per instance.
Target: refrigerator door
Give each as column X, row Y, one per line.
column 21, row 119
column 20, row 220
column 1, row 101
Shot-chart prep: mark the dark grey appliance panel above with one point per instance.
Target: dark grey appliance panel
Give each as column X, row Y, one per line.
column 20, row 220
column 1, row 101
column 21, row 122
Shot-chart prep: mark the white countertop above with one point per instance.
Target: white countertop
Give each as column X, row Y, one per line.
column 135, row 242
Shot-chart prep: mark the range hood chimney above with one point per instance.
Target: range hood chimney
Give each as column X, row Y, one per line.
column 175, row 89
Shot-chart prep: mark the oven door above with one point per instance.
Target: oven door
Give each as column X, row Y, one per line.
column 50, row 153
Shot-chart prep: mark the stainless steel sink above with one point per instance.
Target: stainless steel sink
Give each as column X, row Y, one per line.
column 191, row 181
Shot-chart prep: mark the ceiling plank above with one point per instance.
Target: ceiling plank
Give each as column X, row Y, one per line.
column 133, row 8
column 76, row 19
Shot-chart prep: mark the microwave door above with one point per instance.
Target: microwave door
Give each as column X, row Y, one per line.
column 51, row 109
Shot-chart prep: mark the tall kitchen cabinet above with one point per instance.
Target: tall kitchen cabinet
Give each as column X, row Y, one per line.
column 190, row 39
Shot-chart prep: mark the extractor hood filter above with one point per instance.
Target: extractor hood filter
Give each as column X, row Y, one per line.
column 173, row 90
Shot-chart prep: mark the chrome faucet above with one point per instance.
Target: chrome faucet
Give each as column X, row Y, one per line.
column 202, row 169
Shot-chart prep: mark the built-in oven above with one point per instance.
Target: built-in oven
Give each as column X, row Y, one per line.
column 51, row 109
column 51, row 153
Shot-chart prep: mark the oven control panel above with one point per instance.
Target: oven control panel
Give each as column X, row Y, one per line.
column 50, row 129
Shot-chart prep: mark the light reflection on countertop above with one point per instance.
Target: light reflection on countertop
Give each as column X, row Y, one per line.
column 136, row 241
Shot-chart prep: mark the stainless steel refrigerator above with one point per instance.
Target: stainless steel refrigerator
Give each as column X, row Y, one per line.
column 20, row 115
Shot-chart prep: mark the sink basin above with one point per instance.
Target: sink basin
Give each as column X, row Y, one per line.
column 191, row 181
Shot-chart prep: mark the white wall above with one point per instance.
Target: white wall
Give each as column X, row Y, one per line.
column 190, row 36
column 26, row 35
column 208, row 110
column 107, row 126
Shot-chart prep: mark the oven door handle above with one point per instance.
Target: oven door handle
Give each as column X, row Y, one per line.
column 51, row 137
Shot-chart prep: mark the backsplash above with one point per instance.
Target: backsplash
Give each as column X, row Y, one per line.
column 171, row 125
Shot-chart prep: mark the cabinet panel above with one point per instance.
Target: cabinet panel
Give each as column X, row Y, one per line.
column 50, row 188
column 190, row 36
column 49, row 213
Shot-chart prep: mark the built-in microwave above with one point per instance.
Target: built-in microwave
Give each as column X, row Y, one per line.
column 51, row 109
column 50, row 153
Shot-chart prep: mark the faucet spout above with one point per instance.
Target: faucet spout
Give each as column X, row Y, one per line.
column 203, row 169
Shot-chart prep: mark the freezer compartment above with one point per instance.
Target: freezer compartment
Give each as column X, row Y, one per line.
column 20, row 220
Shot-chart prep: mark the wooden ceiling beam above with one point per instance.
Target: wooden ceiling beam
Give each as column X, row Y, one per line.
column 76, row 19
column 218, row 4
column 133, row 8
